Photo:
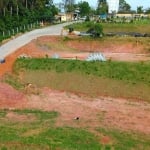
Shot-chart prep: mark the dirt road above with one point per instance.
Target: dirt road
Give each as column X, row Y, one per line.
column 18, row 42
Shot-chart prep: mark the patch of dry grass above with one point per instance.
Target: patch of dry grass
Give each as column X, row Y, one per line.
column 87, row 84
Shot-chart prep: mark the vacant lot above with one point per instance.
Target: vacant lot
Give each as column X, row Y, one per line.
column 73, row 104
column 114, row 48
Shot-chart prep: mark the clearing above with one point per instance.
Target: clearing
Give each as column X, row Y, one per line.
column 97, row 114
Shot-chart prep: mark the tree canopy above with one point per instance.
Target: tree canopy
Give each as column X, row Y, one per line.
column 124, row 6
column 84, row 8
column 15, row 13
column 140, row 9
column 102, row 7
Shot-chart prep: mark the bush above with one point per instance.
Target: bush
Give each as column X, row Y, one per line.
column 96, row 30
column 87, row 18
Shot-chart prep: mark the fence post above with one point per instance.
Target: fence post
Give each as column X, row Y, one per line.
column 13, row 32
column 28, row 26
column 3, row 33
column 9, row 32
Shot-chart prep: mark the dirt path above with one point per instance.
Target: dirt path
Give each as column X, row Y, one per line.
column 98, row 112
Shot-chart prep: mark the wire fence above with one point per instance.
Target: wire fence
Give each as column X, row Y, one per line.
column 21, row 29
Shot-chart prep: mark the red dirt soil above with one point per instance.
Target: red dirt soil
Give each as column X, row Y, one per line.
column 10, row 97
column 92, row 113
column 126, row 52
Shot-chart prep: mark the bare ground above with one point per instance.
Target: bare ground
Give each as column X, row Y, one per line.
column 92, row 113
column 49, row 45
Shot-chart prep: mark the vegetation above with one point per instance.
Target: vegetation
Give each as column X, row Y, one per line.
column 95, row 29
column 102, row 7
column 39, row 132
column 89, row 78
column 17, row 14
column 125, row 140
column 133, row 72
column 137, row 26
column 84, row 8
column 124, row 7
column 13, row 81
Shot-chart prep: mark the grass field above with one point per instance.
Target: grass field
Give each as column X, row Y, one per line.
column 38, row 132
column 142, row 27
column 41, row 133
column 90, row 78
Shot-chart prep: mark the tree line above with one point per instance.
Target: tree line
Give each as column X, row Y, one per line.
column 102, row 7
column 15, row 13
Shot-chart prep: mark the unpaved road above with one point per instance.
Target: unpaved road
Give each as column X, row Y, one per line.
column 18, row 42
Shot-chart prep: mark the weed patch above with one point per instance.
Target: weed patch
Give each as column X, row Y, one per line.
column 90, row 78
column 132, row 72
column 45, row 135
column 125, row 140
column 13, row 81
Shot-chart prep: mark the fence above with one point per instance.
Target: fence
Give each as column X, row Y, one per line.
column 20, row 29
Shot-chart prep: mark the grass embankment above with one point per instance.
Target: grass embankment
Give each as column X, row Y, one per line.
column 116, row 79
column 37, row 131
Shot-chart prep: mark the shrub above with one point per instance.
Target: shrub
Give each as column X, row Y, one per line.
column 96, row 30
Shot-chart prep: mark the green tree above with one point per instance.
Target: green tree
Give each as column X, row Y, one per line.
column 140, row 9
column 96, row 29
column 84, row 8
column 17, row 13
column 124, row 6
column 69, row 5
column 102, row 7
column 147, row 11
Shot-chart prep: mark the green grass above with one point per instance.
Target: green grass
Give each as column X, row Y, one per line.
column 117, row 27
column 16, row 135
column 42, row 134
column 121, row 140
column 138, row 26
column 13, row 81
column 115, row 79
column 88, row 85
column 41, row 115
column 131, row 72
